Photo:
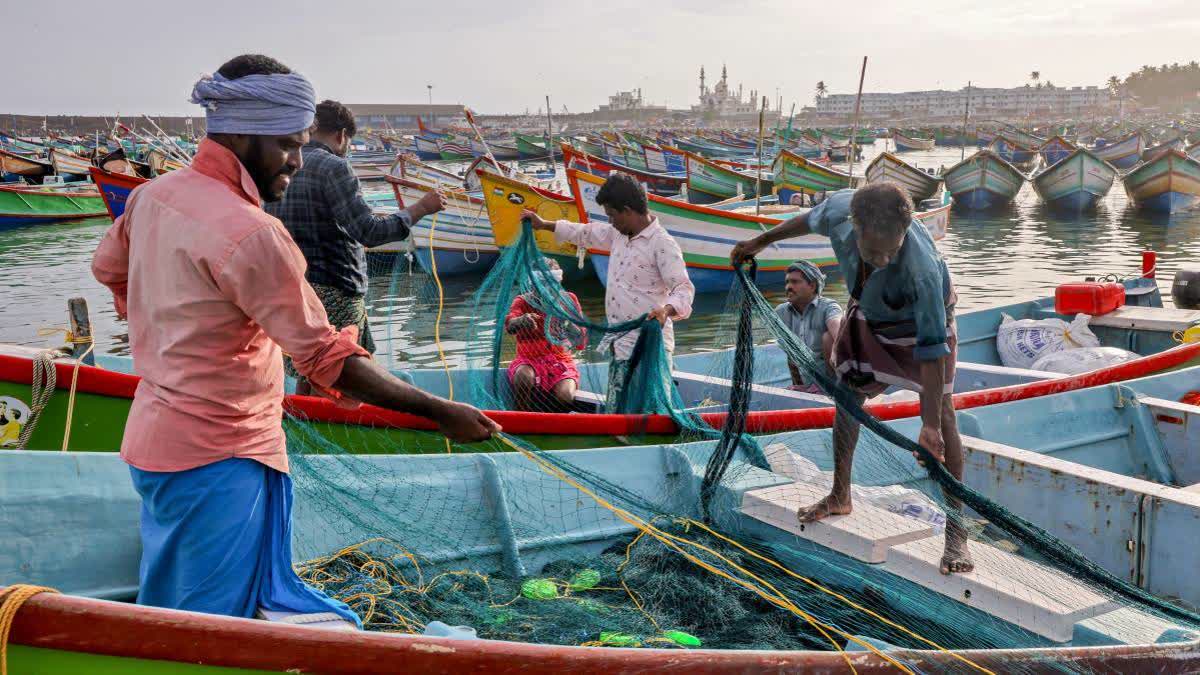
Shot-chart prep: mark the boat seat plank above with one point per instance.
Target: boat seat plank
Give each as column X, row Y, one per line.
column 866, row 535
column 326, row 620
column 1039, row 599
column 1165, row 404
column 1163, row 319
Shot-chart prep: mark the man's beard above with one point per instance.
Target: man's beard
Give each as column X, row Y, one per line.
column 263, row 178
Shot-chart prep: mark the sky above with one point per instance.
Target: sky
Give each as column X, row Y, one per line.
column 138, row 57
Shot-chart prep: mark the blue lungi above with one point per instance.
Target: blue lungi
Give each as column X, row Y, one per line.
column 218, row 539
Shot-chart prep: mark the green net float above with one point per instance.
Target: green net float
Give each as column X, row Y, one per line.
column 539, row 589
column 618, row 639
column 584, row 580
column 681, row 638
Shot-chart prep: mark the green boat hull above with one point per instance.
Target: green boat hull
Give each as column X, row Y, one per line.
column 30, row 207
column 35, row 661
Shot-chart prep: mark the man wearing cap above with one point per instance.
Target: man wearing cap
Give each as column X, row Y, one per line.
column 812, row 317
column 213, row 289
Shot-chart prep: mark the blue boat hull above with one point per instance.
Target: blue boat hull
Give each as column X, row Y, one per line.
column 1170, row 202
column 455, row 263
column 980, row 199
column 1076, row 202
column 1126, row 162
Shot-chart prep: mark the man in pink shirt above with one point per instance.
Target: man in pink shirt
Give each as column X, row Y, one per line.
column 213, row 289
column 646, row 272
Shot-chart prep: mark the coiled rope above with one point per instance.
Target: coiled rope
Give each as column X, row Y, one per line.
column 11, row 600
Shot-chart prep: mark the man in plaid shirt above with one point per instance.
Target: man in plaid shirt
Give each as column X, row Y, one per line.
column 329, row 220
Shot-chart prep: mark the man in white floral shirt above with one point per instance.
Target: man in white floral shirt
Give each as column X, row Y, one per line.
column 646, row 272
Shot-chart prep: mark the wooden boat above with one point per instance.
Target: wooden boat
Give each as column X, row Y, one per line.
column 1168, row 184
column 33, row 206
column 1051, row 479
column 709, row 149
column 983, row 181
column 430, row 132
column 656, row 183
column 1013, row 152
column 1076, row 182
column 426, row 148
column 69, row 164
column 664, row 160
column 114, row 189
column 412, row 168
column 500, row 151
column 904, row 142
column 535, row 147
column 1055, row 149
column 887, row 167
column 709, row 181
column 160, row 162
column 454, row 242
column 1124, row 152
column 1153, row 153
column 14, row 166
column 795, row 176
column 506, row 197
column 454, row 150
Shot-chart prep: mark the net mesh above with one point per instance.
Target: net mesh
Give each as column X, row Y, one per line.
column 676, row 540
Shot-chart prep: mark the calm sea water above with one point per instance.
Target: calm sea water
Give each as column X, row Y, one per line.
column 995, row 258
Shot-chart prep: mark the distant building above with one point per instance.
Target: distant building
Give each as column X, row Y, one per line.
column 631, row 102
column 404, row 115
column 721, row 101
column 1015, row 102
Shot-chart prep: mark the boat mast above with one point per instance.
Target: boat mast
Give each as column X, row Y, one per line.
column 854, row 127
column 762, row 111
column 549, row 134
column 966, row 113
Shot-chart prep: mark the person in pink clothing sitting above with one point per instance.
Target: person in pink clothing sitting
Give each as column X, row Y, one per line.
column 543, row 376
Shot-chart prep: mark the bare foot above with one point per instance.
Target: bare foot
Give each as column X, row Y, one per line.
column 829, row 506
column 957, row 560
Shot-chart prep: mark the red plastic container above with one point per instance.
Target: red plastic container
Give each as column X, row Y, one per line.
column 1089, row 297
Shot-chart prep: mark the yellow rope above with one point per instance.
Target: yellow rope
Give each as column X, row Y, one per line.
column 437, row 324
column 776, row 596
column 11, row 600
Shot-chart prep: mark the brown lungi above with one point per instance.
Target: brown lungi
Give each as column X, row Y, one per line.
column 871, row 356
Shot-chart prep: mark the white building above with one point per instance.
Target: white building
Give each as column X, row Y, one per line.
column 721, row 101
column 1018, row 101
column 629, row 101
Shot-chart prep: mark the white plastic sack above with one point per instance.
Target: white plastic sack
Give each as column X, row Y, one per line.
column 899, row 500
column 1020, row 343
column 1075, row 361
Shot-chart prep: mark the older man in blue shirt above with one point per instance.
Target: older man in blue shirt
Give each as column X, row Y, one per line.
column 812, row 317
column 898, row 330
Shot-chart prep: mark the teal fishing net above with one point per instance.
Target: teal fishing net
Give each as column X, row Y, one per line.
column 679, row 538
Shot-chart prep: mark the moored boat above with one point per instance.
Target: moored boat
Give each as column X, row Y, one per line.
column 1076, row 182
column 14, row 167
column 26, row 205
column 69, row 164
column 657, row 183
column 453, row 242
column 114, row 189
column 904, row 142
column 1055, row 150
column 795, row 176
column 1167, row 184
column 887, row 167
column 1124, row 152
column 506, row 197
column 535, row 147
column 983, row 181
column 709, row 181
column 1012, row 152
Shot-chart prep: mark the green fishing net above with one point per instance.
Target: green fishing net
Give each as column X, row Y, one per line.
column 675, row 539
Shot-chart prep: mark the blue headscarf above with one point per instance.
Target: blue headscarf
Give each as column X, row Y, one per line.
column 258, row 105
column 810, row 272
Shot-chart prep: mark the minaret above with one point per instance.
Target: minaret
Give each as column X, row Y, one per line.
column 702, row 89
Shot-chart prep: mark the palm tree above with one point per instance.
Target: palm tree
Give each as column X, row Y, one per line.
column 1113, row 84
column 1035, row 75
column 821, row 91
